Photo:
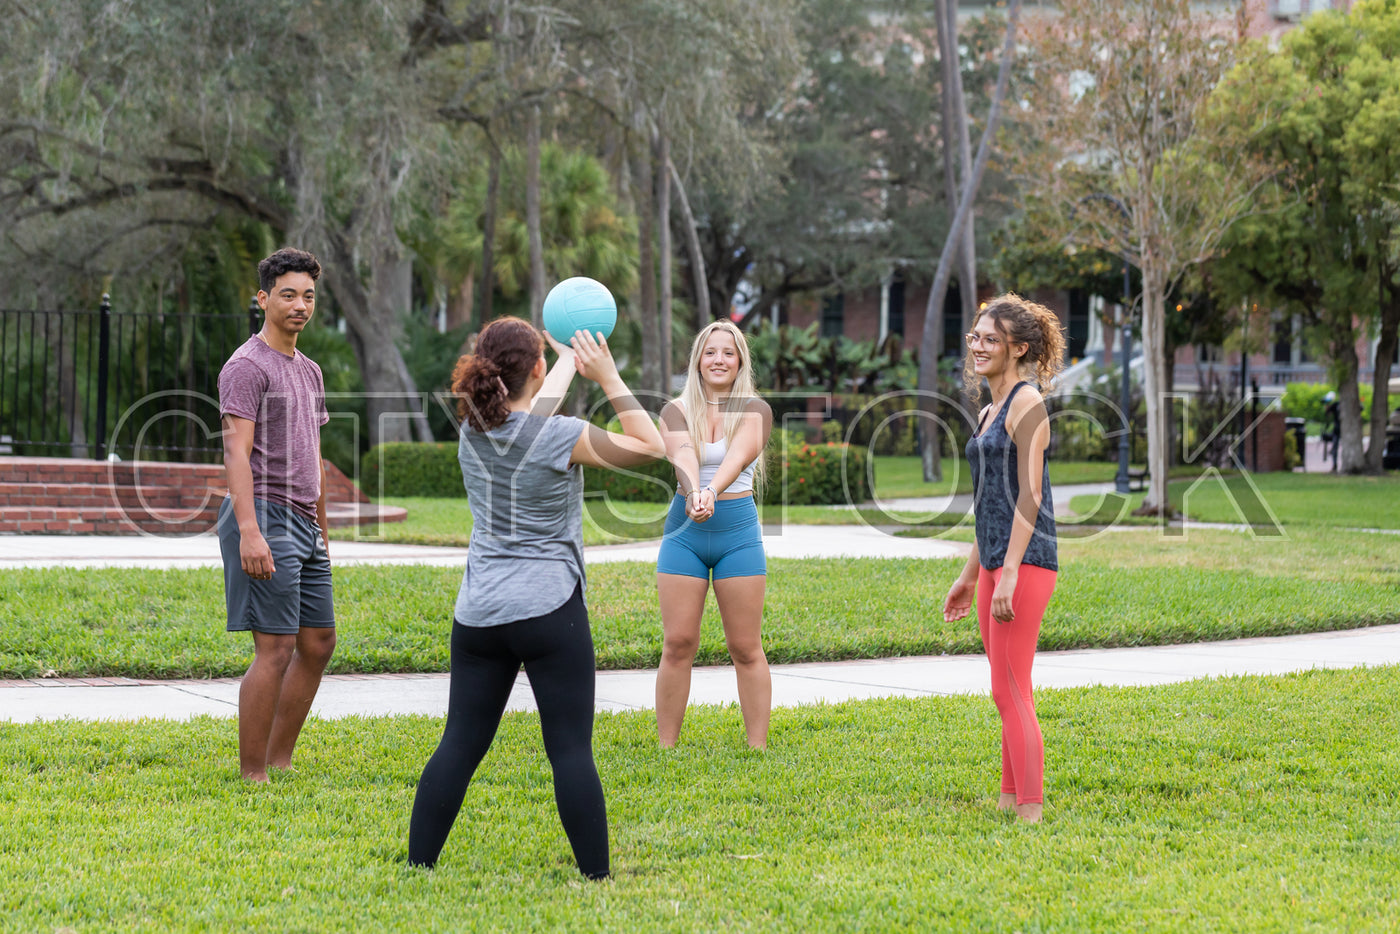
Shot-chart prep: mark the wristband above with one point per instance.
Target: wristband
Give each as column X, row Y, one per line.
column 712, row 490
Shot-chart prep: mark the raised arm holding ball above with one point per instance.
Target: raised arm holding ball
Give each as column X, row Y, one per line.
column 522, row 598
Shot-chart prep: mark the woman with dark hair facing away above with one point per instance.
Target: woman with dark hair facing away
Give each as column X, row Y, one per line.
column 522, row 594
column 715, row 434
column 1013, row 561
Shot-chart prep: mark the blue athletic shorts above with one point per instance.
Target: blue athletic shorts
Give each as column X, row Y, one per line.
column 299, row 592
column 729, row 543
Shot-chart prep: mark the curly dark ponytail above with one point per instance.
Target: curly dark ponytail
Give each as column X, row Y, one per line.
column 484, row 381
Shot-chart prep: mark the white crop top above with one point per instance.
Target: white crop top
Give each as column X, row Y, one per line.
column 709, row 466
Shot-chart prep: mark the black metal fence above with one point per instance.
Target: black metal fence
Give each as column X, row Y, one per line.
column 99, row 382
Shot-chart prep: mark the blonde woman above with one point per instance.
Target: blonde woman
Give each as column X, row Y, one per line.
column 1014, row 560
column 714, row 434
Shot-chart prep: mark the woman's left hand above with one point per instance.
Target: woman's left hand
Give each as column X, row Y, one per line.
column 563, row 350
column 1001, row 597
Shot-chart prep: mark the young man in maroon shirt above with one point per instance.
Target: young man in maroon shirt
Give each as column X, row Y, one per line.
column 272, row 526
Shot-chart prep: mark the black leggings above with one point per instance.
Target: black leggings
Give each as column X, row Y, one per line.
column 557, row 650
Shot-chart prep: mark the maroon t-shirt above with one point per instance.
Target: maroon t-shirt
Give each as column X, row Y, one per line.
column 285, row 398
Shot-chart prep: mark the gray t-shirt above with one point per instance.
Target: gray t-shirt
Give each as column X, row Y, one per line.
column 285, row 398
column 525, row 556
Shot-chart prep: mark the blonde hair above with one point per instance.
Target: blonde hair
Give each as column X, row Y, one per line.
column 1021, row 322
column 692, row 397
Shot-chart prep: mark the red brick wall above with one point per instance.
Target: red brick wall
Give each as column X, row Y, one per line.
column 340, row 488
column 1268, row 435
column 58, row 495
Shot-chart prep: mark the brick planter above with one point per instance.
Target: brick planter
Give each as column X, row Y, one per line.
column 67, row 496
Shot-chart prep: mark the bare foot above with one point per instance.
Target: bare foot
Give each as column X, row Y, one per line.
column 1006, row 801
column 256, row 776
column 1029, row 812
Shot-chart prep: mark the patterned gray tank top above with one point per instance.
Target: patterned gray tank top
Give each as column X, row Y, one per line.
column 996, row 486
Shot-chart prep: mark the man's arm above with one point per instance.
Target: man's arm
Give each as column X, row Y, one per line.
column 253, row 550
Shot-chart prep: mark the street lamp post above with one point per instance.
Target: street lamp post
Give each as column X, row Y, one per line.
column 1120, row 482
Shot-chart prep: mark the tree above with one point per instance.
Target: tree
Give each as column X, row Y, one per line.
column 1328, row 251
column 667, row 77
column 955, row 244
column 582, row 232
column 857, row 187
column 1367, row 146
column 1126, row 83
column 957, row 151
column 158, row 113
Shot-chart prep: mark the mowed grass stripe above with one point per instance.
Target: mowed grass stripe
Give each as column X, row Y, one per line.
column 1253, row 804
column 1122, row 588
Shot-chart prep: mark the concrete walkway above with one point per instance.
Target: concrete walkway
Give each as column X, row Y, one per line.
column 793, row 685
column 790, row 541
column 779, row 541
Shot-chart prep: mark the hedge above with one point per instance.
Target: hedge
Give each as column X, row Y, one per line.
column 811, row 474
column 803, row 474
column 1305, row 400
column 409, row 468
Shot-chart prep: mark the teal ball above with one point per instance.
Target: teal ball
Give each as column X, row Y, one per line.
column 579, row 304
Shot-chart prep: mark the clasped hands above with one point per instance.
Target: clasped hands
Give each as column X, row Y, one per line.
column 700, row 504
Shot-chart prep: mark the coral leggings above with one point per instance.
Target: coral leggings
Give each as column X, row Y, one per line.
column 1011, row 651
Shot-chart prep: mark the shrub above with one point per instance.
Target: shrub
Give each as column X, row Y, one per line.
column 653, row 482
column 1304, row 400
column 1391, row 401
column 1078, row 439
column 812, row 472
column 410, row 468
column 803, row 474
column 1291, row 457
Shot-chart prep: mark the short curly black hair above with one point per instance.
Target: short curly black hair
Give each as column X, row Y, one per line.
column 284, row 261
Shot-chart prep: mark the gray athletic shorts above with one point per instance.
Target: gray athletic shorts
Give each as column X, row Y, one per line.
column 299, row 592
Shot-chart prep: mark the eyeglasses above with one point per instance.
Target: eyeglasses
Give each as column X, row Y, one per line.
column 977, row 340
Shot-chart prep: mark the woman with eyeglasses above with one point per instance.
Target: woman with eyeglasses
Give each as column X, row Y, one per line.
column 1013, row 562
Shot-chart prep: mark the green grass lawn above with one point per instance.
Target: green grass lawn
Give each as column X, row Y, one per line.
column 1312, row 499
column 444, row 521
column 903, row 477
column 448, row 522
column 1116, row 588
column 1241, row 804
column 1265, row 499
